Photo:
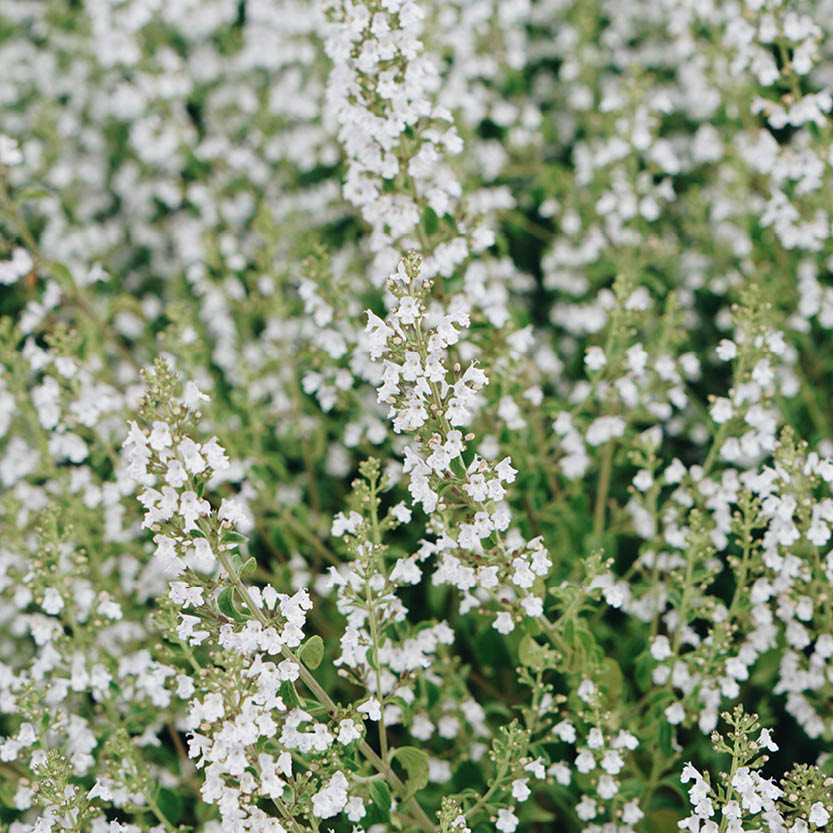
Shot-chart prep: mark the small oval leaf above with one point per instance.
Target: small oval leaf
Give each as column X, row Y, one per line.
column 312, row 652
column 415, row 763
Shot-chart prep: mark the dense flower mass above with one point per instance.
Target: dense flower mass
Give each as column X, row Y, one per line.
column 416, row 416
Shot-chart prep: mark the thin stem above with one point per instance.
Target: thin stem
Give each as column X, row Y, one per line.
column 383, row 734
column 604, row 487
column 308, row 536
column 288, row 817
column 374, row 628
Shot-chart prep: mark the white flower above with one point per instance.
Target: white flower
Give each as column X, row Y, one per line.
column 520, row 791
column 372, row 708
column 607, row 787
column 595, row 358
column 611, row 762
column 401, row 512
column 354, row 809
column 503, row 623
column 111, row 609
column 160, row 436
column 603, row 429
column 288, row 670
column 762, row 373
column 537, row 768
column 52, row 601
column 507, row 821
column 348, row 731
column 625, row 740
column 533, row 606
column 167, row 555
column 331, row 800
column 9, row 151
column 818, row 815
column 66, row 366
column 675, row 472
column 215, row 454
column 232, row 511
column 408, row 310
column 561, row 773
column 631, row 813
column 721, row 410
column 586, row 808
column 690, row 773
column 192, row 396
column 643, row 480
column 726, row 350
column 505, row 471
column 637, row 358
column 342, row 524
column 190, row 453
column 191, row 507
column 13, row 270
column 675, row 713
column 765, row 740
column 585, row 762
column 565, row 731
column 660, row 648
column 586, row 690
column 378, row 333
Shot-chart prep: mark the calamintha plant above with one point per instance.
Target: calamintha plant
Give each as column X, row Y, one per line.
column 416, row 416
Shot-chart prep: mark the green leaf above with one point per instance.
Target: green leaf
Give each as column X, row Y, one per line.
column 568, row 633
column 289, row 695
column 170, row 803
column 33, row 192
column 226, row 605
column 248, row 567
column 432, row 692
column 673, row 783
column 415, row 762
column 468, row 774
column 610, row 678
column 404, row 705
column 665, row 737
column 196, row 533
column 535, row 656
column 312, row 652
column 662, row 819
column 642, row 669
column 531, row 626
column 380, row 796
column 232, row 537
column 585, row 636
column 534, row 812
column 8, row 790
column 430, row 221
column 490, row 650
column 660, row 699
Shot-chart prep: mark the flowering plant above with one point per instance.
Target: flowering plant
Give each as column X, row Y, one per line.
column 416, row 416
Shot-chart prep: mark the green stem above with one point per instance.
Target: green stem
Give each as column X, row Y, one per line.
column 604, row 487
column 374, row 629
